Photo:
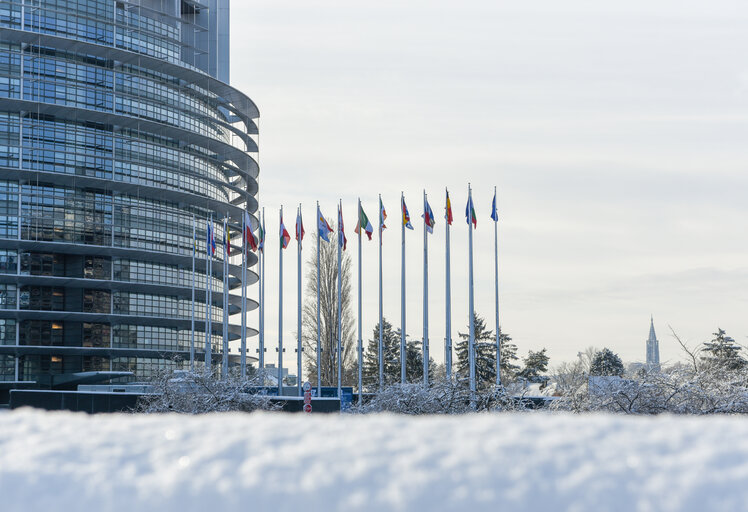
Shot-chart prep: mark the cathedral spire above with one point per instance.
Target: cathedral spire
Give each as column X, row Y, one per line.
column 653, row 347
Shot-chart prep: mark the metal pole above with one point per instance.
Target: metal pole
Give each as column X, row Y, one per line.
column 403, row 374
column 496, row 287
column 360, row 341
column 298, row 307
column 192, row 318
column 340, row 298
column 261, row 362
column 225, row 348
column 448, row 301
column 280, row 309
column 319, row 333
column 243, row 344
column 381, row 316
column 425, row 343
column 471, row 339
column 209, row 299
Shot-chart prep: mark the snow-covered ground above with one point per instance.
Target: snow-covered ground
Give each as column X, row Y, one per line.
column 266, row 461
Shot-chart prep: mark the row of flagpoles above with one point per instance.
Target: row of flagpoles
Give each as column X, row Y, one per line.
column 256, row 243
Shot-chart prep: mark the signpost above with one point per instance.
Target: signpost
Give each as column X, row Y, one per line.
column 307, row 397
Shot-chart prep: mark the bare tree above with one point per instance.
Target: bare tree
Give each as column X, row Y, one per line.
column 328, row 310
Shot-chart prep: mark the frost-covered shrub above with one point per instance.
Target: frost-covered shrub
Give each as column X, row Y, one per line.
column 200, row 392
column 678, row 390
column 441, row 397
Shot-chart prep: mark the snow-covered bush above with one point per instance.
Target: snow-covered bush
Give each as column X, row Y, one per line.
column 201, row 392
column 442, row 397
column 678, row 389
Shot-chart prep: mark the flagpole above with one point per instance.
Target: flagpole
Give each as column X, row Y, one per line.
column 471, row 339
column 381, row 315
column 225, row 355
column 496, row 284
column 340, row 297
column 403, row 375
column 448, row 300
column 360, row 341
column 261, row 362
column 319, row 334
column 243, row 344
column 298, row 306
column 280, row 309
column 192, row 317
column 425, row 343
column 209, row 298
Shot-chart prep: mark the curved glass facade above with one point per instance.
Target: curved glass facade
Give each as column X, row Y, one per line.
column 118, row 135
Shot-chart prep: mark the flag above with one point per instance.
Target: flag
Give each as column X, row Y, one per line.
column 342, row 240
column 211, row 247
column 363, row 220
column 382, row 215
column 299, row 228
column 284, row 236
column 249, row 237
column 428, row 217
column 227, row 237
column 323, row 228
column 494, row 212
column 470, row 212
column 449, row 210
column 261, row 237
column 406, row 216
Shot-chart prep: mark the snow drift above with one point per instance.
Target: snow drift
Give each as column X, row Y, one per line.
column 275, row 461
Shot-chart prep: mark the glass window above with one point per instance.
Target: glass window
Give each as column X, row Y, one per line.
column 8, row 261
column 41, row 332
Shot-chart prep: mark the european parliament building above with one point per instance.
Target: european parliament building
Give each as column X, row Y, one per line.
column 118, row 133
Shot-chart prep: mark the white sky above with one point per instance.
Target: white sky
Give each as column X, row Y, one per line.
column 615, row 134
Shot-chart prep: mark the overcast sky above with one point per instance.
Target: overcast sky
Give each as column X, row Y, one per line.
column 615, row 133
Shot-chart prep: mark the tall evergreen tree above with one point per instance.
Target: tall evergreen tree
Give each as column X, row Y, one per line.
column 391, row 357
column 606, row 363
column 328, row 315
column 723, row 352
column 535, row 364
column 485, row 356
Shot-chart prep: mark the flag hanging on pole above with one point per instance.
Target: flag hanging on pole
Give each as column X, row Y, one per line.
column 211, row 241
column 382, row 215
column 406, row 216
column 323, row 228
column 470, row 213
column 284, row 236
column 261, row 237
column 299, row 228
column 363, row 221
column 249, row 237
column 342, row 240
column 449, row 210
column 428, row 217
column 227, row 237
column 494, row 211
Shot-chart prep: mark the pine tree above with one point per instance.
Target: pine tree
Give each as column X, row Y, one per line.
column 414, row 363
column 485, row 356
column 723, row 352
column 391, row 357
column 606, row 363
column 535, row 364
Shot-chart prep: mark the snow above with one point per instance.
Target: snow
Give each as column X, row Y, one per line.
column 279, row 461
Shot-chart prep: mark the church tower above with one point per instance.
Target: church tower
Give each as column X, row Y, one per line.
column 653, row 348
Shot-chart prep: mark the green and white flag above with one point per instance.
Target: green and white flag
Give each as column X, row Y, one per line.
column 363, row 220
